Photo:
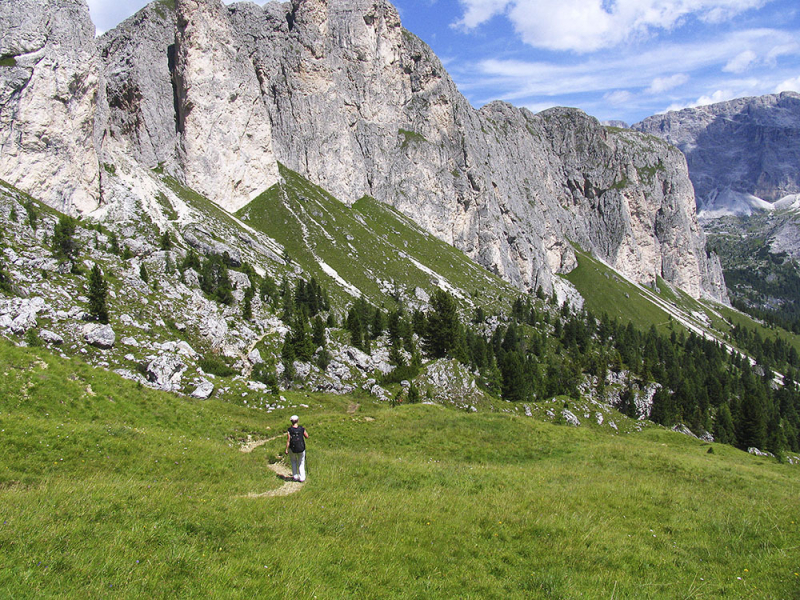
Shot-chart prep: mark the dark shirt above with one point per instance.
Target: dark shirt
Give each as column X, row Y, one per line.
column 297, row 442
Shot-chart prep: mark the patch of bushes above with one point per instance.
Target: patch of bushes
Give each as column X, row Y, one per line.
column 216, row 365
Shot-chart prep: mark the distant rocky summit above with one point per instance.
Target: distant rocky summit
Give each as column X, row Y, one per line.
column 742, row 155
column 218, row 96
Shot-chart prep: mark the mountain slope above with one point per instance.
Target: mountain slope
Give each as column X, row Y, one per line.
column 341, row 94
column 110, row 489
column 742, row 154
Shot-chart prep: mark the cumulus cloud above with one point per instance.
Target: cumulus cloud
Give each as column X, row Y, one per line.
column 590, row 25
column 740, row 62
column 664, row 84
column 713, row 98
column 790, row 85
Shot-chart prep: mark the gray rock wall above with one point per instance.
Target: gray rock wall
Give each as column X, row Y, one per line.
column 339, row 92
column 49, row 91
column 747, row 145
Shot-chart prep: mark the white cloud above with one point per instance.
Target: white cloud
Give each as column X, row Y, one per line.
column 740, row 62
column 107, row 14
column 480, row 11
column 518, row 80
column 589, row 25
column 664, row 84
column 790, row 85
column 618, row 97
column 717, row 96
column 539, row 106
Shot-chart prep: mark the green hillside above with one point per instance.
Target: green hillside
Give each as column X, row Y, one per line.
column 369, row 246
column 112, row 490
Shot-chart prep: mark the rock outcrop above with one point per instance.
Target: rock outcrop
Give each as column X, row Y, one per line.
column 339, row 92
column 50, row 84
column 739, row 152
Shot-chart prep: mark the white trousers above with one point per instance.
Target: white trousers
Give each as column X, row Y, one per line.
column 298, row 465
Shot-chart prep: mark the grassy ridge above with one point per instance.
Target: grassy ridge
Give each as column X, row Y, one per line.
column 108, row 489
column 605, row 292
column 368, row 244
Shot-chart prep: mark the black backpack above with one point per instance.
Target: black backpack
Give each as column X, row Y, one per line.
column 297, row 442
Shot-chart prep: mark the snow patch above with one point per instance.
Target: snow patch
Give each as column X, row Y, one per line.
column 333, row 274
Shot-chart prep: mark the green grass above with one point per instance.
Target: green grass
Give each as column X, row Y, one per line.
column 605, row 292
column 410, row 137
column 108, row 489
column 366, row 244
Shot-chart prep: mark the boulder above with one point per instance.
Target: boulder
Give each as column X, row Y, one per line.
column 23, row 321
column 165, row 372
column 203, row 390
column 50, row 337
column 99, row 336
column 570, row 418
column 185, row 349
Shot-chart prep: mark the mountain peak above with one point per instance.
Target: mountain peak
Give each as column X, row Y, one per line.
column 737, row 149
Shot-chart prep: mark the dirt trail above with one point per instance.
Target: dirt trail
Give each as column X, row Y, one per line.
column 253, row 444
column 282, row 471
column 289, row 486
column 248, row 368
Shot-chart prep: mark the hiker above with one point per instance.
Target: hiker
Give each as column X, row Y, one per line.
column 296, row 449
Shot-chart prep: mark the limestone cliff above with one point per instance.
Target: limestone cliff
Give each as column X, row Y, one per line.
column 339, row 92
column 49, row 85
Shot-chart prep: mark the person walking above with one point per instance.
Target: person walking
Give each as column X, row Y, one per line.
column 296, row 448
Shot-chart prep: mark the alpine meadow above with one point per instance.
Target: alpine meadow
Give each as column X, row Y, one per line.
column 516, row 357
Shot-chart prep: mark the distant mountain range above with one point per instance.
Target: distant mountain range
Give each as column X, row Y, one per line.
column 743, row 155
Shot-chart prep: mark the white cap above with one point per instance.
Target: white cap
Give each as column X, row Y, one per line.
column 294, row 418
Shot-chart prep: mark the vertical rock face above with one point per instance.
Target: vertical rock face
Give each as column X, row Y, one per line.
column 49, row 87
column 225, row 133
column 744, row 147
column 339, row 92
column 138, row 60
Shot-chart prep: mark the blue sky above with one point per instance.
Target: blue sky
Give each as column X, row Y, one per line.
column 615, row 59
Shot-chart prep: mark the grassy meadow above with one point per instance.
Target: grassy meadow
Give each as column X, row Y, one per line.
column 113, row 490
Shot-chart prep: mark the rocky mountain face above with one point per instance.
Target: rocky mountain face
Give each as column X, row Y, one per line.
column 741, row 154
column 339, row 92
column 50, row 87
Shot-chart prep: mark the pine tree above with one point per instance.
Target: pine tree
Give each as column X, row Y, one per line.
column 98, row 293
column 288, row 357
column 356, row 329
column 191, row 261
column 301, row 337
column 724, row 431
column 113, row 243
column 166, row 241
column 268, row 291
column 318, row 332
column 215, row 281
column 64, row 245
column 514, row 386
column 33, row 215
column 413, row 394
column 169, row 264
column 143, row 274
column 378, row 324
column 5, row 279
column 442, row 332
column 247, row 303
